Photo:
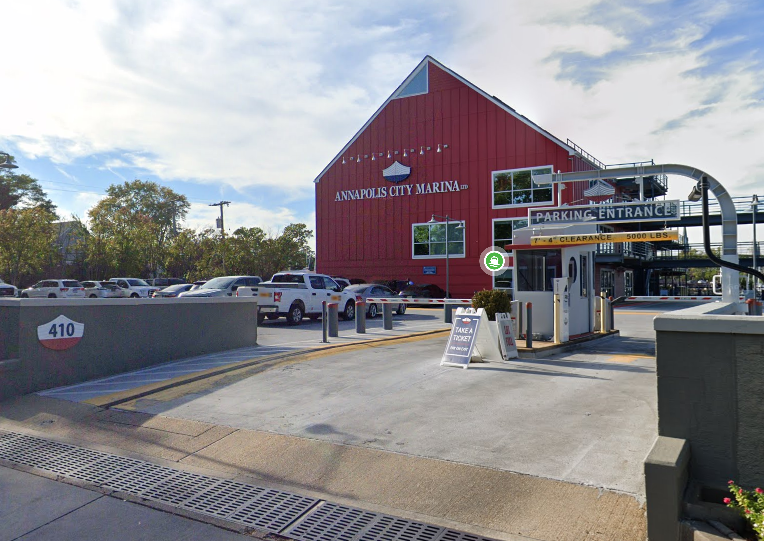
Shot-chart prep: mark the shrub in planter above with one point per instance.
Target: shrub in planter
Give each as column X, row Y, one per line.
column 750, row 504
column 493, row 301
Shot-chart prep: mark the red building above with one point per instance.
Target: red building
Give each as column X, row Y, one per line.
column 461, row 153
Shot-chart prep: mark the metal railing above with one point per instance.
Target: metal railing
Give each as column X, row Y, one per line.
column 688, row 208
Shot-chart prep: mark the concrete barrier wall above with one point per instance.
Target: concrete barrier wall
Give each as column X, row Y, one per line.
column 119, row 335
column 710, row 368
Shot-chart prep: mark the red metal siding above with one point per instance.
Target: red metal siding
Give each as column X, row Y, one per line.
column 372, row 238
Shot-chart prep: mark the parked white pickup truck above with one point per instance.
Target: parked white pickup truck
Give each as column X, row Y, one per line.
column 296, row 294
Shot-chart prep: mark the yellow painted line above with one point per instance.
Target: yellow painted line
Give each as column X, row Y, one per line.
column 255, row 364
column 626, row 358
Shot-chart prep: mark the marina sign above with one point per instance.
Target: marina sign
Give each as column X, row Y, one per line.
column 599, row 238
column 638, row 211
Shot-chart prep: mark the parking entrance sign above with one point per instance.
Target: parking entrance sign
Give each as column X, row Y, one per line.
column 461, row 343
column 60, row 334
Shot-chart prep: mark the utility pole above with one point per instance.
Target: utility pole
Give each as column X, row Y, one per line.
column 221, row 225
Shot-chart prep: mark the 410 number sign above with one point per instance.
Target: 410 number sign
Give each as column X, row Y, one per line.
column 61, row 333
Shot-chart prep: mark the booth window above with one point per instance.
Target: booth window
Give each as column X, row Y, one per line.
column 430, row 240
column 537, row 269
column 516, row 187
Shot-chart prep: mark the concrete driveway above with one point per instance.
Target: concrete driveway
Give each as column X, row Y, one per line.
column 587, row 417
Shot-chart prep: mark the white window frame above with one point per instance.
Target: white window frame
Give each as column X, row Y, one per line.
column 520, row 205
column 440, row 256
column 493, row 243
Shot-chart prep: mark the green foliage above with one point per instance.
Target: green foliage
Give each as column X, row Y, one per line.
column 22, row 191
column 493, row 300
column 131, row 227
column 27, row 242
column 750, row 504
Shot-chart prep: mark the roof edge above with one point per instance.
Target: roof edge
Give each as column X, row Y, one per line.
column 422, row 64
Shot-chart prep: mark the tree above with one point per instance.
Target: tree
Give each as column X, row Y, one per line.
column 27, row 241
column 22, row 191
column 133, row 224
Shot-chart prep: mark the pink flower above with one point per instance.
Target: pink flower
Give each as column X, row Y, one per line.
column 740, row 491
column 730, row 482
column 759, row 491
column 727, row 500
column 747, row 511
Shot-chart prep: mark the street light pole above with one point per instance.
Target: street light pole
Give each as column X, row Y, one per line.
column 448, row 220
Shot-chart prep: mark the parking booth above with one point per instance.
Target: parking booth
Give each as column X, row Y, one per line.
column 543, row 273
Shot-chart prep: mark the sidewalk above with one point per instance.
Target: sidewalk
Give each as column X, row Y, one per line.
column 491, row 503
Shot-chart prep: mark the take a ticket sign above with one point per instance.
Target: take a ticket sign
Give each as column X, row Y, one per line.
column 599, row 238
column 60, row 334
column 464, row 332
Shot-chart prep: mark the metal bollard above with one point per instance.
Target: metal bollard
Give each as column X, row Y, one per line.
column 611, row 314
column 360, row 317
column 529, row 327
column 387, row 316
column 603, row 313
column 334, row 326
column 324, row 323
column 448, row 313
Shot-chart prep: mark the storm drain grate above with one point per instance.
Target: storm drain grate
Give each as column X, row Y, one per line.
column 180, row 487
column 270, row 510
column 256, row 507
column 332, row 521
column 273, row 510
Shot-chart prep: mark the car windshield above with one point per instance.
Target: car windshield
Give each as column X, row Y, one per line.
column 136, row 282
column 219, row 283
column 71, row 283
column 89, row 284
column 357, row 288
column 110, row 285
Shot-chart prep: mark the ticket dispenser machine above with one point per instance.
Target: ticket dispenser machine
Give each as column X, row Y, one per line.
column 538, row 270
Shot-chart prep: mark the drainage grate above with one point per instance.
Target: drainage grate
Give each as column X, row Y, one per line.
column 223, row 499
column 273, row 511
column 332, row 521
column 393, row 529
column 180, row 487
column 256, row 507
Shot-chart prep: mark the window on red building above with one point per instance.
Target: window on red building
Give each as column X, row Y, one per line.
column 430, row 240
column 516, row 187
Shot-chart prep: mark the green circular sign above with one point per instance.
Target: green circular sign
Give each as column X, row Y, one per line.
column 494, row 260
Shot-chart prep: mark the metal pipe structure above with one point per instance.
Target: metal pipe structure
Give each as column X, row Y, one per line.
column 703, row 183
column 754, row 208
column 730, row 277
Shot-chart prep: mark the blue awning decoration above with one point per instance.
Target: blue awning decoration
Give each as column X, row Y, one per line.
column 396, row 172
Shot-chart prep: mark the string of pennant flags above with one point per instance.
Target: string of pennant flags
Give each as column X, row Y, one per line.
column 390, row 153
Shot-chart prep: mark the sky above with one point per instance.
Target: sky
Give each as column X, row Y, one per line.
column 247, row 102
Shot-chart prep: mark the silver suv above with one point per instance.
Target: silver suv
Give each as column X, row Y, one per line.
column 52, row 289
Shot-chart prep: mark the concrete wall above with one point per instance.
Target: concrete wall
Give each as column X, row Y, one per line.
column 119, row 335
column 710, row 367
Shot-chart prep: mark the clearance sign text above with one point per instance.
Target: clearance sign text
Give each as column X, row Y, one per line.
column 599, row 238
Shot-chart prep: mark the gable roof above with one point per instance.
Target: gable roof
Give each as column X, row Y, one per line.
column 417, row 83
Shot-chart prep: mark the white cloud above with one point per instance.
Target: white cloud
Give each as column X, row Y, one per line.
column 247, row 93
column 651, row 94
